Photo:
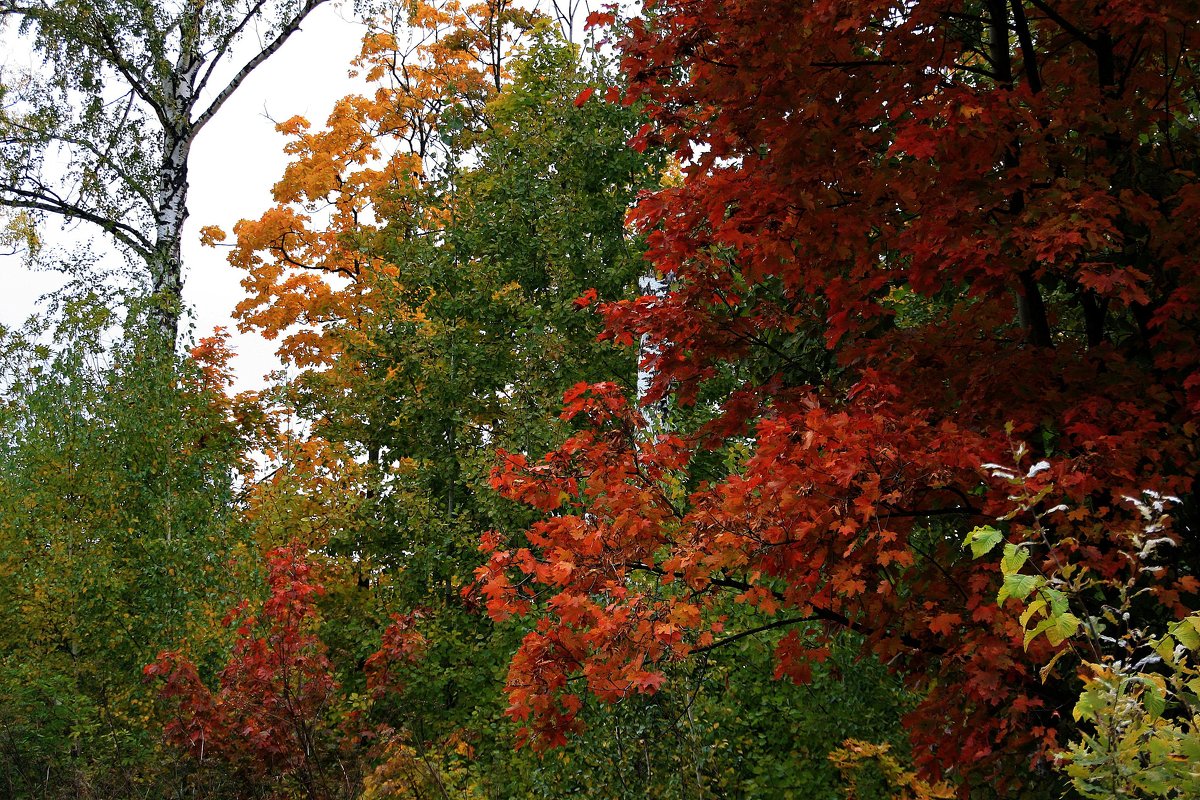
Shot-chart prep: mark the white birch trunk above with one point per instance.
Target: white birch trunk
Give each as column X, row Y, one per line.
column 171, row 202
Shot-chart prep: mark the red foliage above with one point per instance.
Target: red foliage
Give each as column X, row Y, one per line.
column 982, row 230
column 402, row 644
column 267, row 715
column 212, row 354
column 584, row 96
column 275, row 715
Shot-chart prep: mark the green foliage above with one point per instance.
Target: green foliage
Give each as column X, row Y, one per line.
column 117, row 527
column 721, row 727
column 1139, row 705
column 1142, row 738
column 533, row 223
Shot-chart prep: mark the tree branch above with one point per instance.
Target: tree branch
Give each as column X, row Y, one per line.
column 102, row 156
column 48, row 202
column 223, row 48
column 111, row 53
column 779, row 623
column 1063, row 23
column 1028, row 53
column 289, row 28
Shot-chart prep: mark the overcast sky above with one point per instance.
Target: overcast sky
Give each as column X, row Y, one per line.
column 235, row 161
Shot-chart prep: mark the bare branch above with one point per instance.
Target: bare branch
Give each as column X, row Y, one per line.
column 45, row 200
column 289, row 28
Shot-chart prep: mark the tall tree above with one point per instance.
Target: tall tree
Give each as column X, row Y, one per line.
column 103, row 135
column 911, row 239
column 432, row 311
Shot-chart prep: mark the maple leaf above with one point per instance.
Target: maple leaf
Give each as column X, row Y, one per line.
column 598, row 19
column 944, row 624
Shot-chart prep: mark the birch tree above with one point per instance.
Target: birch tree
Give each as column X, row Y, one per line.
column 103, row 131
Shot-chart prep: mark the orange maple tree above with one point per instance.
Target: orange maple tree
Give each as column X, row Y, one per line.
column 910, row 239
column 316, row 259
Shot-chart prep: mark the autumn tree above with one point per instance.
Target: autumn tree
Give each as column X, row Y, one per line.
column 276, row 724
column 422, row 269
column 414, row 311
column 909, row 239
column 103, row 133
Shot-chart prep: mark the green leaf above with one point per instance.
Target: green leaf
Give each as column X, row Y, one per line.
column 1033, row 608
column 1165, row 648
column 1187, row 631
column 1018, row 586
column 1062, row 628
column 1015, row 556
column 982, row 540
column 1033, row 632
column 1154, row 701
column 1091, row 702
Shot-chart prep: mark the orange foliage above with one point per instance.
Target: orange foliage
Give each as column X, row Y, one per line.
column 314, row 260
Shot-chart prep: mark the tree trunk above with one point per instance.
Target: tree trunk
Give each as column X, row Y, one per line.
column 166, row 270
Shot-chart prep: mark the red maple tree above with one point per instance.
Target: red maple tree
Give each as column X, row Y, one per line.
column 276, row 719
column 912, row 236
column 267, row 718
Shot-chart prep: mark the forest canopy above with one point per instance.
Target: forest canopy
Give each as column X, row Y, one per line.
column 695, row 400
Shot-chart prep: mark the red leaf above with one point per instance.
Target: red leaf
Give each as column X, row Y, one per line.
column 585, row 299
column 599, row 18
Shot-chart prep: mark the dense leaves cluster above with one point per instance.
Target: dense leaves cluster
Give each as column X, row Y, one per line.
column 908, row 237
column 118, row 533
column 263, row 719
column 727, row 404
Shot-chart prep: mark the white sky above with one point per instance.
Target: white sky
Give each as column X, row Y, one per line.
column 235, row 161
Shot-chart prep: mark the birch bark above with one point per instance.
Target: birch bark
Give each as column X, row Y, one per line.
column 104, row 133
